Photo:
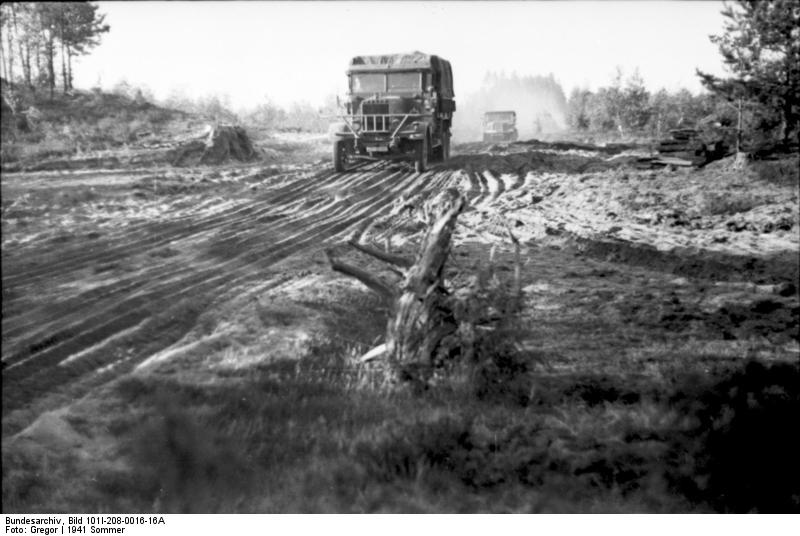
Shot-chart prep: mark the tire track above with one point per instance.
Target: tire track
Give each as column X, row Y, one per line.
column 149, row 241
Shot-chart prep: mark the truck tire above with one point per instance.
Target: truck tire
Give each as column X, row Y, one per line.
column 339, row 156
column 442, row 152
column 421, row 155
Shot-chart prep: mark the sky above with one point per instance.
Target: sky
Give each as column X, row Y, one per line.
column 299, row 51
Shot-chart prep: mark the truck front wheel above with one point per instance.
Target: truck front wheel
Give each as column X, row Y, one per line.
column 445, row 147
column 421, row 156
column 340, row 159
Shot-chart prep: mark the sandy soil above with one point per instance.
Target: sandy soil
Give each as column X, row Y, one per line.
column 205, row 272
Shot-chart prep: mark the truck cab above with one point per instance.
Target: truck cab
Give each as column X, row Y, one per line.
column 398, row 107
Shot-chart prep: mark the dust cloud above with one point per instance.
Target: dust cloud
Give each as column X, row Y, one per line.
column 539, row 101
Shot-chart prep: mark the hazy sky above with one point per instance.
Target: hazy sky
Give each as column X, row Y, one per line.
column 299, row 50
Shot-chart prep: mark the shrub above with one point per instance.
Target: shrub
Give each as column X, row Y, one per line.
column 491, row 327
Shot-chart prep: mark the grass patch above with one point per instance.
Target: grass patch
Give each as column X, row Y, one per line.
column 782, row 172
column 314, row 436
column 82, row 124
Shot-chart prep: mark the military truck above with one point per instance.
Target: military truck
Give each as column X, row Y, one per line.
column 399, row 107
column 500, row 126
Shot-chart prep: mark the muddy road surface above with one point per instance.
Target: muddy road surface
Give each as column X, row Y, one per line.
column 174, row 339
column 103, row 282
column 103, row 270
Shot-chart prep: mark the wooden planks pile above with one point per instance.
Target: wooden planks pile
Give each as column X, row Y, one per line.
column 684, row 148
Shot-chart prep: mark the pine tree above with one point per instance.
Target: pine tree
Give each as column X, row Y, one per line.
column 761, row 49
column 39, row 33
column 83, row 26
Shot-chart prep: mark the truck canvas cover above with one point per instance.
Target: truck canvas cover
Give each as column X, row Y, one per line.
column 411, row 61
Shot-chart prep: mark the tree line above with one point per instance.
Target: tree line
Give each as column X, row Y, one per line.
column 37, row 36
column 757, row 105
column 626, row 107
column 296, row 116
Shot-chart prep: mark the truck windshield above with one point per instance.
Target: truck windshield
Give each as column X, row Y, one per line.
column 405, row 81
column 378, row 82
column 500, row 116
column 369, row 83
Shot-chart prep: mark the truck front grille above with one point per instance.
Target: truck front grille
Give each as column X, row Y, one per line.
column 375, row 123
column 375, row 108
column 375, row 116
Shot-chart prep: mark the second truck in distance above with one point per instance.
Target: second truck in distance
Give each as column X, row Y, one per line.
column 500, row 126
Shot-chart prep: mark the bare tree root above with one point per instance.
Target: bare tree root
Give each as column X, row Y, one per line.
column 373, row 282
column 396, row 260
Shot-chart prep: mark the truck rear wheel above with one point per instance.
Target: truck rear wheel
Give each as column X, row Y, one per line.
column 421, row 156
column 339, row 156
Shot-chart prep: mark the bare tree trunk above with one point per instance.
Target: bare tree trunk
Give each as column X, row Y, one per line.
column 24, row 49
column 38, row 62
column 3, row 58
column 10, row 53
column 423, row 319
column 25, row 55
column 69, row 67
column 739, row 127
column 64, row 80
column 51, row 72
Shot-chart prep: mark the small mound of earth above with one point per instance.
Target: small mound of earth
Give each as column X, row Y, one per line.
column 220, row 144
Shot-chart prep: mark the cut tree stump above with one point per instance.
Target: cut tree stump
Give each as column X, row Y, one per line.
column 741, row 161
column 420, row 334
column 217, row 145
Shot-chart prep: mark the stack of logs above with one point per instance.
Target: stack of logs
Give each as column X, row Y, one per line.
column 684, row 148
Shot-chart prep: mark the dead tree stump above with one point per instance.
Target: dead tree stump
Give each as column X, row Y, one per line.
column 221, row 144
column 420, row 333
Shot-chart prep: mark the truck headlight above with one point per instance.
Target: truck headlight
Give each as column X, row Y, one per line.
column 356, row 126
